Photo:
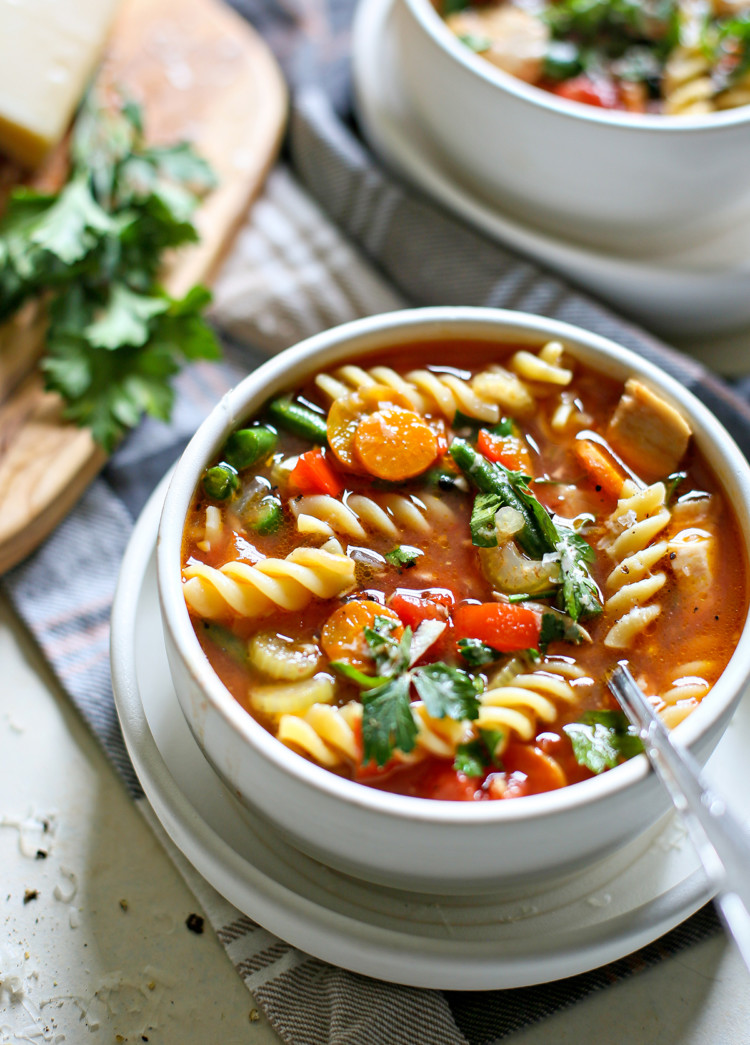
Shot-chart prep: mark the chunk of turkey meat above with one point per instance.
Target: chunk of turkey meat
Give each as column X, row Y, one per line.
column 649, row 435
column 518, row 40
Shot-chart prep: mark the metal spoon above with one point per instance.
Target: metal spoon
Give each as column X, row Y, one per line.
column 723, row 844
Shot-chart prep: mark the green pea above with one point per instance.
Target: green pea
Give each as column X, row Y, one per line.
column 248, row 445
column 220, row 481
column 268, row 516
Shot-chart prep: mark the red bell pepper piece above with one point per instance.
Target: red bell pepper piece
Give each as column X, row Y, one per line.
column 503, row 626
column 583, row 89
column 414, row 607
column 313, row 473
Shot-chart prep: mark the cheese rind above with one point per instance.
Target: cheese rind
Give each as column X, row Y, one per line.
column 48, row 51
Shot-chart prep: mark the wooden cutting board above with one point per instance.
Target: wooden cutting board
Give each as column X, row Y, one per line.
column 201, row 73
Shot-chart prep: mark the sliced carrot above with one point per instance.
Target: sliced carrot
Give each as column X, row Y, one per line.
column 313, row 474
column 583, row 89
column 343, row 637
column 505, row 449
column 506, row 627
column 395, row 444
column 599, row 466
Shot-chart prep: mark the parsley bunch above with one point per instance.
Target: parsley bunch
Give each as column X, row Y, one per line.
column 387, row 721
column 92, row 254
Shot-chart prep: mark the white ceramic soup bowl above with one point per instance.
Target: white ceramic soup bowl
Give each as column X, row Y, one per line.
column 423, row 844
column 625, row 182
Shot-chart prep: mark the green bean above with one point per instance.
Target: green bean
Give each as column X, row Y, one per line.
column 299, row 419
column 492, row 478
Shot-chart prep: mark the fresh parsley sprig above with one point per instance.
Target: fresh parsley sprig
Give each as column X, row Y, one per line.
column 92, row 253
column 387, row 721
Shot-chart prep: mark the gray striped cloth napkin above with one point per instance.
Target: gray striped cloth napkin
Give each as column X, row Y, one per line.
column 331, row 239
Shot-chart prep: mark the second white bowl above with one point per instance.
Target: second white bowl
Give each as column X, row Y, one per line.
column 621, row 181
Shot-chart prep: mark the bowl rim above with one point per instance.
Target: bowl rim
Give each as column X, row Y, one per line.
column 429, row 19
column 370, row 335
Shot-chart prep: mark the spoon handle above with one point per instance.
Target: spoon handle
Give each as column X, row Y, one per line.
column 722, row 842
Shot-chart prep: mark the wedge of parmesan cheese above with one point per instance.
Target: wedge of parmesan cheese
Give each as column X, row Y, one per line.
column 48, row 52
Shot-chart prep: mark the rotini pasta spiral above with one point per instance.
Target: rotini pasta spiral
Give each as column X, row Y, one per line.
column 386, row 514
column 516, row 700
column 326, row 734
column 736, row 95
column 254, row 591
column 438, row 736
column 690, row 684
column 348, row 379
column 329, row 735
column 686, row 83
column 639, row 517
column 544, row 367
column 443, row 393
column 447, row 393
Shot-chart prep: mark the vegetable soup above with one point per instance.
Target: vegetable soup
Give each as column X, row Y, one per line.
column 418, row 574
column 645, row 56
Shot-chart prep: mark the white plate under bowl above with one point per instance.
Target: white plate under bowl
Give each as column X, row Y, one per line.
column 688, row 292
column 468, row 942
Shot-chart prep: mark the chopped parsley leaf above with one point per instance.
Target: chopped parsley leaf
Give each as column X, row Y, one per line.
column 476, row 756
column 603, row 739
column 476, row 653
column 404, row 555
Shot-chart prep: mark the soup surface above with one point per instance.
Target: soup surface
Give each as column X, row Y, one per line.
column 643, row 56
column 417, row 570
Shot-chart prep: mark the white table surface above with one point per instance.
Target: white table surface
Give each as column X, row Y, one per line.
column 102, row 953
